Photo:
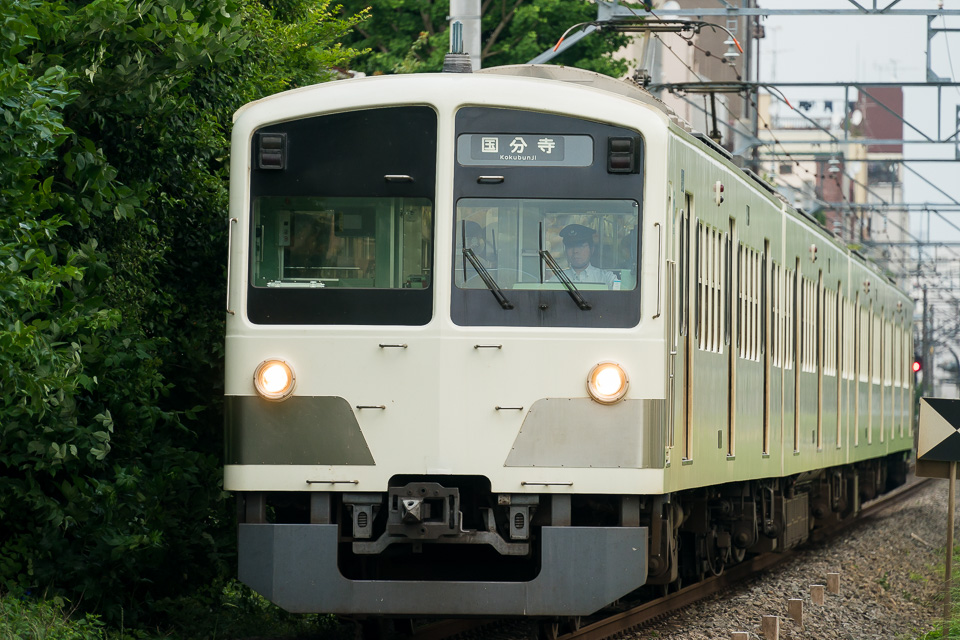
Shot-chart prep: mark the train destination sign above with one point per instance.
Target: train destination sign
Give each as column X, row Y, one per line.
column 524, row 149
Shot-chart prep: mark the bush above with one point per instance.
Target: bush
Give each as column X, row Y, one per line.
column 24, row 619
column 113, row 141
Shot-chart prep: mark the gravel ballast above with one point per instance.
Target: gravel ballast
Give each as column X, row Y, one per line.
column 889, row 584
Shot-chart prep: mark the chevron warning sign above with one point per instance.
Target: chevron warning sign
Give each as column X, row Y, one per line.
column 939, row 437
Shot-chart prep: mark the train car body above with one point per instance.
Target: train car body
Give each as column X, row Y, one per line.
column 433, row 409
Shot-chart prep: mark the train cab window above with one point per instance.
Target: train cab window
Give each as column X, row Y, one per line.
column 548, row 224
column 342, row 219
column 359, row 243
column 577, row 253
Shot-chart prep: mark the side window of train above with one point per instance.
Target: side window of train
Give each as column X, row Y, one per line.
column 709, row 288
column 829, row 332
column 808, row 328
column 850, row 333
column 877, row 338
column 728, row 279
column 776, row 307
column 788, row 298
column 698, row 263
column 685, row 251
column 750, row 283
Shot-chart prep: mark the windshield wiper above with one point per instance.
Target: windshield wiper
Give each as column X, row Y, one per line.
column 487, row 278
column 565, row 279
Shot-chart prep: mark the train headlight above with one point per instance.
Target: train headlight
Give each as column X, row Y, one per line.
column 274, row 380
column 607, row 382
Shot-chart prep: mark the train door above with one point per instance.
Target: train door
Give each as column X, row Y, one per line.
column 858, row 368
column 819, row 358
column 686, row 315
column 732, row 318
column 871, row 371
column 797, row 294
column 672, row 331
column 868, row 373
column 882, row 372
column 839, row 368
column 766, row 309
column 894, row 368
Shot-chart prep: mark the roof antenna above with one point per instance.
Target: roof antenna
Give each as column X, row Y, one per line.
column 457, row 61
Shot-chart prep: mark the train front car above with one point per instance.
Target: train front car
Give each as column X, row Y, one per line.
column 445, row 357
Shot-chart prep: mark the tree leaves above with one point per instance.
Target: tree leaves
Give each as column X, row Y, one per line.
column 113, row 142
column 407, row 36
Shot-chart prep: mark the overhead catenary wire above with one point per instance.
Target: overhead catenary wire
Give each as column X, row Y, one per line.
column 924, row 255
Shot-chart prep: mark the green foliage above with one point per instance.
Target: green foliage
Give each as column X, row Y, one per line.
column 936, row 625
column 404, row 36
column 114, row 122
column 25, row 619
column 233, row 610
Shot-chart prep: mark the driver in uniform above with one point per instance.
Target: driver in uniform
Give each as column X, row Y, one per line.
column 578, row 245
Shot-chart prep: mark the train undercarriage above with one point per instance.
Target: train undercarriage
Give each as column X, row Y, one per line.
column 448, row 546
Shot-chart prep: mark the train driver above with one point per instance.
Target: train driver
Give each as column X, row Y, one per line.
column 578, row 245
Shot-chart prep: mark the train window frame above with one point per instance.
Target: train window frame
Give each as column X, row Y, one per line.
column 789, row 310
column 543, row 306
column 316, row 147
column 830, row 341
column 876, row 344
column 776, row 357
column 697, row 261
column 710, row 288
column 729, row 288
column 750, row 305
column 514, row 239
column 764, row 297
column 684, row 271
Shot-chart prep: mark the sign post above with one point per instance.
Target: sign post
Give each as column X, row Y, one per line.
column 949, row 568
column 938, row 450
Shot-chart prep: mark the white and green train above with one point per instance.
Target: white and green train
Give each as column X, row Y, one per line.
column 517, row 342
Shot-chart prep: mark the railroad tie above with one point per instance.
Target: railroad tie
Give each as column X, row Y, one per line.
column 770, row 627
column 795, row 609
column 833, row 582
column 817, row 594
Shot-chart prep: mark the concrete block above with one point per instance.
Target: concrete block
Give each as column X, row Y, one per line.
column 833, row 582
column 817, row 593
column 740, row 635
column 795, row 609
column 770, row 627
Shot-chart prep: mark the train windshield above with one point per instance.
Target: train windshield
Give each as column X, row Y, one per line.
column 355, row 242
column 539, row 244
column 546, row 262
column 341, row 219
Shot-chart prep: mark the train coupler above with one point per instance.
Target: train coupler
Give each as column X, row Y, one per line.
column 428, row 513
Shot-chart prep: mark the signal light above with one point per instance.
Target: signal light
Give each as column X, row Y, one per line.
column 917, row 366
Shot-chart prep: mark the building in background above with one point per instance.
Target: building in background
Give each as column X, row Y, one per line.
column 813, row 152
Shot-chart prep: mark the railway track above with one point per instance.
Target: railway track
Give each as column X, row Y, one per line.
column 636, row 617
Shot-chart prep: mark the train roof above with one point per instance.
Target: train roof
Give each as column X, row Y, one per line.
column 591, row 79
column 633, row 91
